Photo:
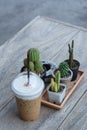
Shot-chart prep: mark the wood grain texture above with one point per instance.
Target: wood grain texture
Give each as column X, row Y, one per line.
column 51, row 38
column 77, row 119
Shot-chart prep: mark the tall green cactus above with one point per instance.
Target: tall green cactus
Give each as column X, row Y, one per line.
column 63, row 68
column 55, row 83
column 71, row 62
column 34, row 54
column 35, row 64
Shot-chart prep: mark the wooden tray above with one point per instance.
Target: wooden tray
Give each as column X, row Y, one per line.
column 73, row 86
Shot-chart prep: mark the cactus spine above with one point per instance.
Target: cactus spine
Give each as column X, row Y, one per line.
column 71, row 62
column 63, row 68
column 55, row 83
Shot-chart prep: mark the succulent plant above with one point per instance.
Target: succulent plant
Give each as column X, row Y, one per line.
column 34, row 54
column 34, row 64
column 71, row 62
column 64, row 69
column 31, row 64
column 38, row 66
column 55, row 82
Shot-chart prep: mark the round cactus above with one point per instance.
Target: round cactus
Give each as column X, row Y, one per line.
column 31, row 64
column 63, row 68
column 38, row 66
column 33, row 54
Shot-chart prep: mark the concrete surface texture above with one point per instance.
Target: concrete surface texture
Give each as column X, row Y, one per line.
column 15, row 14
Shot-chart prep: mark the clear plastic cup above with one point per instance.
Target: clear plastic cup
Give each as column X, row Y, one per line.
column 28, row 98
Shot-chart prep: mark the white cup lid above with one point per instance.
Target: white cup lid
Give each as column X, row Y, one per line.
column 32, row 91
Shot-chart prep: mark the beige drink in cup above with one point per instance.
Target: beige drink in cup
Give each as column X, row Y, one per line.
column 28, row 97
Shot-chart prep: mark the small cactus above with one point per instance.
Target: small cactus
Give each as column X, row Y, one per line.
column 55, row 83
column 35, row 65
column 31, row 64
column 34, row 54
column 63, row 68
column 71, row 62
column 38, row 66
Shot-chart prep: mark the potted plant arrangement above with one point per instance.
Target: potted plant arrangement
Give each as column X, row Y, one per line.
column 57, row 90
column 65, row 72
column 28, row 88
column 43, row 68
column 73, row 64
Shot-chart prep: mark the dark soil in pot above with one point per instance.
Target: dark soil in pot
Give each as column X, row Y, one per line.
column 60, row 89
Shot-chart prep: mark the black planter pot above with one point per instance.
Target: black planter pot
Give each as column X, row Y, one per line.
column 46, row 76
column 74, row 69
column 48, row 67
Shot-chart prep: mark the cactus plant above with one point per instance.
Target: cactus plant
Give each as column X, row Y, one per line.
column 57, row 90
column 55, row 82
column 35, row 64
column 38, row 66
column 71, row 61
column 34, row 54
column 31, row 64
column 64, row 69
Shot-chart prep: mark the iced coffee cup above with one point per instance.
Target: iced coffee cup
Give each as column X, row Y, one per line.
column 28, row 97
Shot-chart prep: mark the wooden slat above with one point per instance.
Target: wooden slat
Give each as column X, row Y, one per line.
column 77, row 119
column 67, row 24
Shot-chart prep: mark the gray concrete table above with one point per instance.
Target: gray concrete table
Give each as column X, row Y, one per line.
column 51, row 38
